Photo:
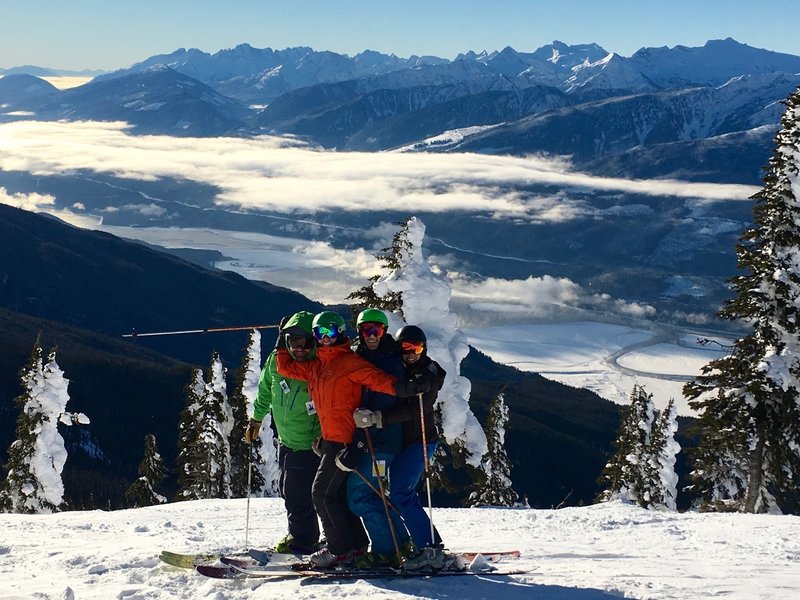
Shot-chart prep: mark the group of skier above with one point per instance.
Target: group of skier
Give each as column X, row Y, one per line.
column 356, row 429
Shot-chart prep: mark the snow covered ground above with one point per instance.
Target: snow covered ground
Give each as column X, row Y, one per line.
column 588, row 553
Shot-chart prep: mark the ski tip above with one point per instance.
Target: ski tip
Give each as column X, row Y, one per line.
column 219, row 572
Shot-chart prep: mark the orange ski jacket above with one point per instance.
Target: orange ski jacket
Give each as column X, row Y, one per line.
column 334, row 384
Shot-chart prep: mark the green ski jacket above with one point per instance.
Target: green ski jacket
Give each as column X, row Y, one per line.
column 292, row 410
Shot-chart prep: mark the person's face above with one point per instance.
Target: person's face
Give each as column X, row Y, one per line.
column 412, row 351
column 372, row 333
column 327, row 341
column 300, row 346
column 326, row 336
column 410, row 358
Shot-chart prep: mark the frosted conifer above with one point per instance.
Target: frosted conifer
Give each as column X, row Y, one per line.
column 243, row 457
column 151, row 473
column 748, row 402
column 494, row 488
column 630, row 474
column 36, row 458
column 204, row 455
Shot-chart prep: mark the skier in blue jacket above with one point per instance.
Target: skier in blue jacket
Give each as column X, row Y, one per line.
column 377, row 346
column 409, row 465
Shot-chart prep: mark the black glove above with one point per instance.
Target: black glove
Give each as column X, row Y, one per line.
column 416, row 384
column 347, row 458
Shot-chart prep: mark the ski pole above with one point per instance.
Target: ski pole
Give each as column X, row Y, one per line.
column 425, row 461
column 383, row 497
column 249, row 480
column 134, row 334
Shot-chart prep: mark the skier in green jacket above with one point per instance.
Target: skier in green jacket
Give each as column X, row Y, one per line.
column 298, row 428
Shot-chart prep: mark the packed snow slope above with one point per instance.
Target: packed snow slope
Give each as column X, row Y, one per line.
column 588, row 553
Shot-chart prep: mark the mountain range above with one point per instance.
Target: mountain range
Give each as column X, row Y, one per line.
column 582, row 101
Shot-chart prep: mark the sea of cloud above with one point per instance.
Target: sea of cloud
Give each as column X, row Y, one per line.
column 281, row 174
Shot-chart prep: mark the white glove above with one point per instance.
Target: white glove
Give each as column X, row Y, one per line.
column 367, row 418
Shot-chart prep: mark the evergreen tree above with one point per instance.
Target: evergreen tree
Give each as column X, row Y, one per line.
column 630, row 475
column 243, row 457
column 663, row 452
column 748, row 402
column 219, row 429
column 191, row 460
column 204, row 455
column 390, row 260
column 494, row 488
column 36, row 458
column 151, row 473
column 406, row 290
column 424, row 298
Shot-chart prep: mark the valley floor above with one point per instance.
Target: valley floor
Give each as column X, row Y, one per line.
column 607, row 359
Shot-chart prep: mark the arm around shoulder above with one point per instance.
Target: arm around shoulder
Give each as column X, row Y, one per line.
column 289, row 367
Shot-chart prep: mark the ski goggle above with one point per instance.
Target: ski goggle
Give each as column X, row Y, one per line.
column 372, row 329
column 321, row 331
column 299, row 342
column 412, row 347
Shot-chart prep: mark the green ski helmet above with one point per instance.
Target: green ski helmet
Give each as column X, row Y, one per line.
column 328, row 323
column 372, row 315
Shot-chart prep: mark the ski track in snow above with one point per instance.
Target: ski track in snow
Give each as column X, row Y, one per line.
column 588, row 553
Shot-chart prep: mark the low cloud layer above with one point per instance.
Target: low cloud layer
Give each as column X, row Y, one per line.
column 284, row 175
column 539, row 296
column 32, row 202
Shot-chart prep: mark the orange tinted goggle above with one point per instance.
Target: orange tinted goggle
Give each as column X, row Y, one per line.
column 412, row 347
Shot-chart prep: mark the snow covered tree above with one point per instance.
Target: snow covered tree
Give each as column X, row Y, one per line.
column 494, row 487
column 391, row 259
column 243, row 457
column 424, row 299
column 748, row 402
column 36, row 458
column 151, row 473
column 643, row 468
column 204, row 456
column 663, row 452
column 191, row 460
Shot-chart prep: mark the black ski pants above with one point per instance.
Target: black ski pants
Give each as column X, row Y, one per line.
column 343, row 530
column 297, row 471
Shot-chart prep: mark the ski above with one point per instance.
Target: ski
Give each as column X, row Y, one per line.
column 191, row 560
column 229, row 572
column 460, row 563
column 270, row 557
column 334, row 574
column 490, row 556
column 187, row 561
column 356, row 574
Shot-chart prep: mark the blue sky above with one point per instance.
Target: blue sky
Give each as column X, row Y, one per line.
column 98, row 34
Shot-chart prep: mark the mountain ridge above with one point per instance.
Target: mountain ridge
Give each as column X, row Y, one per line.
column 367, row 102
